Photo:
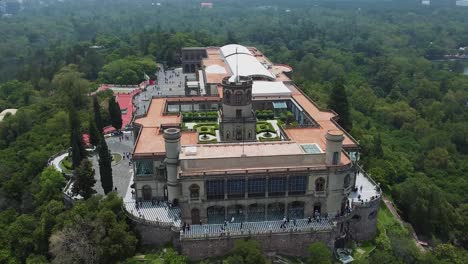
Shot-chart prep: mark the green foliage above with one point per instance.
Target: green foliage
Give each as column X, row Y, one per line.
column 97, row 115
column 263, row 126
column 421, row 200
column 93, row 230
column 15, row 94
column 78, row 152
column 71, row 86
column 206, row 129
column 93, row 132
column 115, row 113
column 200, row 116
column 84, row 180
column 246, row 252
column 51, row 183
column 339, row 103
column 319, row 253
column 128, row 70
column 264, row 114
column 105, row 166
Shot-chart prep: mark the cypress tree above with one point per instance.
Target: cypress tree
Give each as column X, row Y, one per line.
column 339, row 103
column 93, row 132
column 97, row 115
column 78, row 151
column 105, row 165
column 84, row 180
column 115, row 113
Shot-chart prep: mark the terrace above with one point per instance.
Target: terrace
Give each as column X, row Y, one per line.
column 256, row 228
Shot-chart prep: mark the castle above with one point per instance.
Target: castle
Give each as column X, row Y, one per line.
column 245, row 153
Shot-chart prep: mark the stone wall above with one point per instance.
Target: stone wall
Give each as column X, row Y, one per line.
column 155, row 235
column 363, row 223
column 290, row 244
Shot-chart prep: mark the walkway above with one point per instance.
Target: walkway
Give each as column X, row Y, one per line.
column 169, row 83
column 152, row 211
column 56, row 161
column 265, row 227
column 121, row 171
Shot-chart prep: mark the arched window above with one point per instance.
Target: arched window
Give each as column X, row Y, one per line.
column 320, row 184
column 347, row 181
column 194, row 191
column 238, row 98
column 227, row 135
column 227, row 96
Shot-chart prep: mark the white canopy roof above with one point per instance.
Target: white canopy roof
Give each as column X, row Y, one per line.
column 264, row 88
column 239, row 57
column 230, row 49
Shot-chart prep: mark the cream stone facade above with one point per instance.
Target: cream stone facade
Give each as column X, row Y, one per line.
column 264, row 160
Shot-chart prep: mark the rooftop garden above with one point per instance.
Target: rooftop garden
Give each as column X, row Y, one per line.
column 210, row 116
column 207, row 132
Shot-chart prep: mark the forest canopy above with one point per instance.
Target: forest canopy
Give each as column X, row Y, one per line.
column 408, row 108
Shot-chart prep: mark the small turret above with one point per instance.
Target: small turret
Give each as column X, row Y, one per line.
column 172, row 142
column 334, row 147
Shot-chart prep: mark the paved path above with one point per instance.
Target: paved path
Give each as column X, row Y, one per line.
column 395, row 214
column 121, row 171
column 170, row 83
column 56, row 162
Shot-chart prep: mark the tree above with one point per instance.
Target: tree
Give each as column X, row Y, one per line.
column 69, row 82
column 425, row 206
column 339, row 103
column 51, row 183
column 97, row 115
column 93, row 231
column 378, row 150
column 246, row 252
column 319, row 254
column 93, row 132
column 105, row 166
column 84, row 180
column 76, row 138
column 115, row 113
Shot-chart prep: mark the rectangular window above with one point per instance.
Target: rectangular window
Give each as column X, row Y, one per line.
column 297, row 184
column 257, row 187
column 335, row 158
column 215, row 189
column 277, row 186
column 236, row 188
column 238, row 113
column 143, row 167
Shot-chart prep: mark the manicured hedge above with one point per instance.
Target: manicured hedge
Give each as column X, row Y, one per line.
column 199, row 116
column 264, row 114
column 264, row 127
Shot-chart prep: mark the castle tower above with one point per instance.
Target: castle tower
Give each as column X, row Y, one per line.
column 237, row 120
column 172, row 142
column 334, row 147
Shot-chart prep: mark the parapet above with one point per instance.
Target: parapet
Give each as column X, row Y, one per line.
column 172, row 133
column 335, row 135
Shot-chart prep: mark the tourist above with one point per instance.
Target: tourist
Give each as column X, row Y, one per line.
column 188, row 227
column 232, row 219
column 241, row 225
column 309, row 220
